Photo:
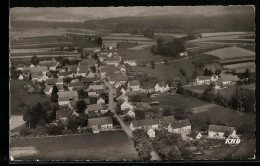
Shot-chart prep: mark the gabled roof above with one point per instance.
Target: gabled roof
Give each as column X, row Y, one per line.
column 37, row 69
column 73, row 103
column 36, row 74
column 162, row 84
column 145, row 122
column 67, row 95
column 169, row 119
column 204, row 77
column 89, row 80
column 134, row 83
column 96, row 87
column 101, row 121
column 112, row 59
column 223, row 129
column 52, row 81
column 75, row 84
column 111, row 69
column 97, row 107
column 122, row 97
column 47, row 88
column 118, row 77
column 180, row 124
column 108, row 44
column 229, row 77
column 50, row 63
column 147, row 128
column 72, row 68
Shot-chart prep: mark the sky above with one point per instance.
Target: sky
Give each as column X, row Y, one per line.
column 79, row 14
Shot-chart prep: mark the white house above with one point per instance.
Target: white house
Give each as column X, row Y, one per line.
column 122, row 97
column 201, row 80
column 100, row 100
column 181, row 126
column 214, row 78
column 123, row 70
column 220, row 132
column 150, row 132
column 100, row 124
column 20, row 77
column 130, row 62
column 117, row 84
column 183, row 53
column 65, row 97
column 126, row 105
column 129, row 113
column 48, row 90
column 161, row 87
column 134, row 85
column 141, row 124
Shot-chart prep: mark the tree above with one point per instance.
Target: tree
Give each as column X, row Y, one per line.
column 174, row 155
column 93, row 68
column 52, row 116
column 152, row 64
column 81, row 106
column 55, row 129
column 183, row 72
column 34, row 60
column 167, row 111
column 180, row 89
column 194, row 75
column 33, row 115
column 54, row 97
column 95, row 56
column 99, row 41
column 139, row 114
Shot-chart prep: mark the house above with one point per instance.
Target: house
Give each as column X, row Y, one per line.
column 117, row 78
column 65, row 97
column 110, row 45
column 181, row 126
column 213, row 67
column 166, row 120
column 201, row 80
column 100, row 124
column 141, row 124
column 142, row 106
column 228, row 79
column 38, row 77
column 108, row 70
column 220, row 132
column 100, row 100
column 117, row 85
column 150, row 132
column 96, row 87
column 112, row 61
column 134, row 85
column 92, row 80
column 129, row 113
column 63, row 115
column 183, row 53
column 214, row 78
column 20, row 77
column 123, row 70
column 51, row 64
column 199, row 135
column 84, row 66
column 126, row 105
column 122, row 97
column 39, row 69
column 52, row 81
column 75, row 86
column 130, row 62
column 48, row 90
column 161, row 87
column 90, row 75
column 97, row 108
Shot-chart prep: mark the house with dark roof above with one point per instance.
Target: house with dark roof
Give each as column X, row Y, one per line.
column 166, row 120
column 161, row 87
column 141, row 124
column 149, row 131
column 89, row 80
column 108, row 70
column 100, row 124
column 129, row 113
column 117, row 78
column 65, row 97
column 73, row 103
column 112, row 61
column 97, row 108
column 134, row 85
column 84, row 66
column 38, row 77
column 220, row 132
column 52, row 81
column 50, row 64
column 122, row 97
column 228, row 79
column 109, row 45
column 75, row 86
column 181, row 126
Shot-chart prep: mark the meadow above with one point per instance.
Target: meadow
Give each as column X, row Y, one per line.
column 109, row 146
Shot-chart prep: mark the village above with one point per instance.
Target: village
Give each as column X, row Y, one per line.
column 185, row 107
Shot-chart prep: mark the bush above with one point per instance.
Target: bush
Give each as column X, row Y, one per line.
column 25, row 131
column 55, row 129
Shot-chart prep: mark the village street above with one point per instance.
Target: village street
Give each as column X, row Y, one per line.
column 124, row 127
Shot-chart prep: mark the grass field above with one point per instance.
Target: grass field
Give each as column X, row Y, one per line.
column 224, row 115
column 19, row 94
column 222, row 34
column 112, row 146
column 197, row 89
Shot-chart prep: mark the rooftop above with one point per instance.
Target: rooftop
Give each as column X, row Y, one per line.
column 145, row 122
column 96, row 107
column 118, row 77
column 67, row 95
column 52, row 81
column 217, row 128
column 101, row 121
column 50, row 63
column 134, row 83
column 180, row 124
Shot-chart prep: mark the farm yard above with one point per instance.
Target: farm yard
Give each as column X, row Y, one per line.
column 111, row 146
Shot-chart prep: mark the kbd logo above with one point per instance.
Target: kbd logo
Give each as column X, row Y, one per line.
column 233, row 140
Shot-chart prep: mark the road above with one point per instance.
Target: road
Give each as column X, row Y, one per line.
column 111, row 107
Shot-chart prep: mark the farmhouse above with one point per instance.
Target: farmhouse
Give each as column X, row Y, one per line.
column 181, row 126
column 220, row 132
column 150, row 132
column 129, row 113
column 51, row 64
column 117, row 78
column 141, row 124
column 112, row 61
column 53, row 81
column 201, row 80
column 75, row 86
column 110, row 45
column 228, row 79
column 100, row 124
column 100, row 100
column 214, row 78
column 122, row 97
column 97, row 108
column 65, row 97
column 161, row 87
column 125, row 105
column 48, row 90
column 134, row 85
column 166, row 120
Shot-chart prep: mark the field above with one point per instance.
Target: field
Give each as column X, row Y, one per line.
column 204, row 35
column 224, row 115
column 18, row 95
column 235, row 61
column 113, row 146
column 197, row 89
column 241, row 67
column 178, row 101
